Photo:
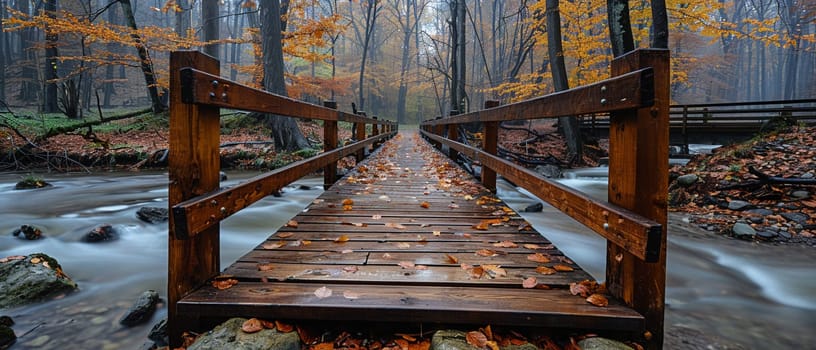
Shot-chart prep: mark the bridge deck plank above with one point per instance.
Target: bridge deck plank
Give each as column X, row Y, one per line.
column 389, row 257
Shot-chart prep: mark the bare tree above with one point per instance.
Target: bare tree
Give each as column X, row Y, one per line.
column 568, row 125
column 372, row 10
column 144, row 57
column 285, row 130
column 50, row 76
column 210, row 26
column 620, row 27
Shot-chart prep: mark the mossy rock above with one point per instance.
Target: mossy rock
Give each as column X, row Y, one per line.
column 31, row 182
column 229, row 335
column 32, row 278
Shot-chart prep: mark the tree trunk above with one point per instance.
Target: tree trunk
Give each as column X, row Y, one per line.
column 285, row 130
column 5, row 58
column 29, row 89
column 568, row 125
column 660, row 25
column 50, row 103
column 372, row 11
column 211, row 26
column 144, row 57
column 620, row 28
column 183, row 18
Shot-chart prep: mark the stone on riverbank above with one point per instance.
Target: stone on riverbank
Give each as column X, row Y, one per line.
column 687, row 180
column 26, row 279
column 447, row 339
column 598, row 343
column 229, row 335
column 141, row 310
column 153, row 215
column 104, row 232
column 742, row 230
column 28, row 232
column 31, row 183
column 7, row 337
column 158, row 334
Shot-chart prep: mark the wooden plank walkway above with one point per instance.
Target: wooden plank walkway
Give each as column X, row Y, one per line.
column 408, row 237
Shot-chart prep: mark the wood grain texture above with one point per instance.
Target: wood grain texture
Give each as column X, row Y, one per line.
column 457, row 305
column 627, row 91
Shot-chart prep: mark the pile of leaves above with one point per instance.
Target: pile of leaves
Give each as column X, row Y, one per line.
column 772, row 176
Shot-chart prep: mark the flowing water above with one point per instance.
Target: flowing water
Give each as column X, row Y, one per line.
column 724, row 293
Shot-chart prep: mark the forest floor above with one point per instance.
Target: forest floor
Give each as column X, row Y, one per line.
column 760, row 190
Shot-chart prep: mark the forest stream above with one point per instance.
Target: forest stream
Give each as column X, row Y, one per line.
column 721, row 293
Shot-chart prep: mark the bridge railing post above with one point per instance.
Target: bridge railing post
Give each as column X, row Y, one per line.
column 638, row 181
column 453, row 134
column 194, row 166
column 360, row 134
column 374, row 132
column 329, row 143
column 490, row 145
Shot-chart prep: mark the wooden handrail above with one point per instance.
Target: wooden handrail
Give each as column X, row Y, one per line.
column 209, row 89
column 631, row 90
column 197, row 214
column 634, row 221
column 638, row 235
column 196, row 204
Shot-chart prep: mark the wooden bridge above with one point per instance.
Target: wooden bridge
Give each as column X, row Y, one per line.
column 407, row 236
column 719, row 123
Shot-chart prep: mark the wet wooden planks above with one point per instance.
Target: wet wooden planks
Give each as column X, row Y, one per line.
column 410, row 237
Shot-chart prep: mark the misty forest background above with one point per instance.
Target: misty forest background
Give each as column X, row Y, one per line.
column 391, row 58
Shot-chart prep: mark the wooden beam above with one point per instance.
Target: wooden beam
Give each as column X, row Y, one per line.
column 360, row 134
column 197, row 214
column 209, row 89
column 329, row 143
column 490, row 144
column 627, row 91
column 638, row 181
column 194, row 166
column 637, row 234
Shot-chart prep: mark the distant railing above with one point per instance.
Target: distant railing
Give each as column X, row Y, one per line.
column 634, row 220
column 731, row 117
column 197, row 204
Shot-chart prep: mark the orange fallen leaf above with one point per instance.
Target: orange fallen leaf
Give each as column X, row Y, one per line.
column 341, row 239
column 252, row 325
column 285, row 234
column 495, row 270
column 421, row 267
column 476, row 272
column 505, row 244
column 581, row 289
column 268, row 325
column 346, row 251
column 425, row 205
column 407, row 337
column 283, row 327
column 300, row 242
column 437, row 233
column 403, row 245
column 348, row 201
column 265, row 267
column 351, row 269
column 492, row 345
column 597, row 300
column 529, row 282
column 532, row 246
column 401, row 343
column 563, row 268
column 451, row 259
column 477, row 339
column 225, row 283
column 545, row 270
column 394, row 225
column 292, row 224
column 348, row 207
column 376, row 216
column 539, row 258
column 323, row 292
column 486, row 252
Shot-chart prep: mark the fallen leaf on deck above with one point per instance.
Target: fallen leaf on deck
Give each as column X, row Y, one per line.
column 532, row 246
column 341, row 239
column 265, row 267
column 486, row 252
column 224, row 283
column 425, row 205
column 563, row 268
column 468, row 197
column 285, row 234
column 525, row 226
column 505, row 244
column 597, row 300
column 323, row 292
column 403, row 245
column 495, row 270
column 453, row 206
column 386, row 256
column 252, row 325
column 406, row 264
column 437, row 233
column 477, row 339
column 273, row 245
column 581, row 289
column 421, row 267
column 300, row 242
column 351, row 269
column 376, row 216
column 351, row 295
column 476, row 272
column 346, row 251
column 348, row 202
column 539, row 258
column 348, row 207
column 292, row 224
column 451, row 259
column 529, row 282
column 545, row 270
